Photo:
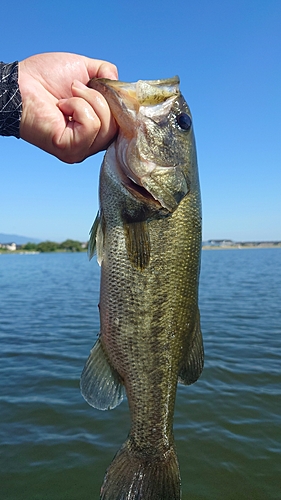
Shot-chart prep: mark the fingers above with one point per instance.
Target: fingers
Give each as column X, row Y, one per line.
column 108, row 127
column 89, row 126
column 81, row 128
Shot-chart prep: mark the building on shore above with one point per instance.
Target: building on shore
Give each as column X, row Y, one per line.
column 9, row 246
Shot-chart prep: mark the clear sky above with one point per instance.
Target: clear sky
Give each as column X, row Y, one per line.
column 228, row 56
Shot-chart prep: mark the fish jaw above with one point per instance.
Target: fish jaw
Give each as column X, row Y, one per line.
column 130, row 96
column 166, row 186
column 142, row 111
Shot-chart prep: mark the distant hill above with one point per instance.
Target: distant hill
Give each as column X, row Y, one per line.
column 15, row 238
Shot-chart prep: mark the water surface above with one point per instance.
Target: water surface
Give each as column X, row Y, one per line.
column 53, row 446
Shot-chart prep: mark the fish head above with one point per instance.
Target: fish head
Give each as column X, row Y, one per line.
column 155, row 147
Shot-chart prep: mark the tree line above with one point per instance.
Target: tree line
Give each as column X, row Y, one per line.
column 52, row 246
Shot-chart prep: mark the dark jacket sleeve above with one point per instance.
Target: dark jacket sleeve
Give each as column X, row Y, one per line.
column 10, row 100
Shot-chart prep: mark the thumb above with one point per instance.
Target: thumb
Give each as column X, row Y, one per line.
column 101, row 69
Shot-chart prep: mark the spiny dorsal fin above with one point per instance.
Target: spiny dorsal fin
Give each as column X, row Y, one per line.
column 192, row 364
column 96, row 238
column 100, row 383
column 138, row 243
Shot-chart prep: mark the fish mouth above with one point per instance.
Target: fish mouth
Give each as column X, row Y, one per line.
column 145, row 92
column 128, row 181
column 164, row 186
column 125, row 99
column 139, row 192
column 153, row 190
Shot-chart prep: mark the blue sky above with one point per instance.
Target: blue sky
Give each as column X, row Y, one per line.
column 227, row 54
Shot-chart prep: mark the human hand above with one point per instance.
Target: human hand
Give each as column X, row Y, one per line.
column 59, row 113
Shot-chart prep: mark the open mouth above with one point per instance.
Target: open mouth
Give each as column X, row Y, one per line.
column 140, row 192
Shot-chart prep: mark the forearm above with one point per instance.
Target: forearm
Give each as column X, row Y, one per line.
column 10, row 100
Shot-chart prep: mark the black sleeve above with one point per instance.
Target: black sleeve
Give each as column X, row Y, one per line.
column 10, row 100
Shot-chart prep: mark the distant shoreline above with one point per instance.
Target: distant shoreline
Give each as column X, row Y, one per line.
column 232, row 246
column 242, row 246
column 34, row 252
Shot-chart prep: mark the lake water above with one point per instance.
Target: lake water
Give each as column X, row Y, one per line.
column 53, row 446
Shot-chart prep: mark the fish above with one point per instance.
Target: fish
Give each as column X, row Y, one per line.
column 147, row 237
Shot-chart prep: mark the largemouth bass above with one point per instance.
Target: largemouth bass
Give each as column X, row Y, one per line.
column 148, row 241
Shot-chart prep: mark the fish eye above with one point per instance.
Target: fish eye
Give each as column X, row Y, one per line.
column 184, row 121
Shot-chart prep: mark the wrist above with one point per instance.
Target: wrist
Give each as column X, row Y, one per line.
column 10, row 100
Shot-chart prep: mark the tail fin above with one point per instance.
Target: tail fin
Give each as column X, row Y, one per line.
column 130, row 477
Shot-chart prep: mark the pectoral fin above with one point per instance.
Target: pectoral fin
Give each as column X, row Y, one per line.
column 138, row 243
column 193, row 361
column 100, row 384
